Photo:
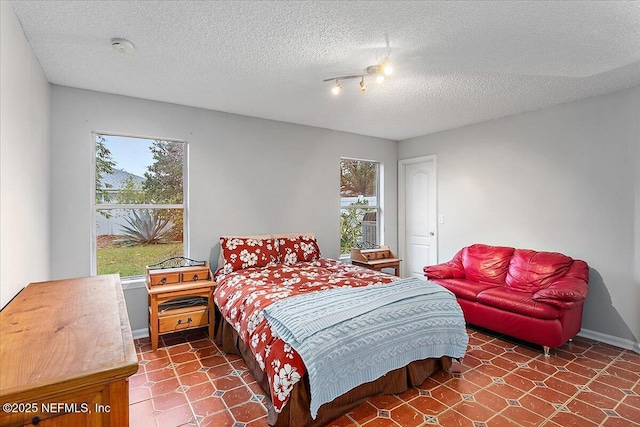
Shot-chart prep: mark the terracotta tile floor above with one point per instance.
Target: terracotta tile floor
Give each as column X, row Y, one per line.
column 189, row 382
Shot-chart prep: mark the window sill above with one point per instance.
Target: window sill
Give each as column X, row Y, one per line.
column 132, row 283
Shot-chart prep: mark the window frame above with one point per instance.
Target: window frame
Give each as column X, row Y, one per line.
column 378, row 206
column 137, row 281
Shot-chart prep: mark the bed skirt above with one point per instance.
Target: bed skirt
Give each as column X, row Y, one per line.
column 296, row 412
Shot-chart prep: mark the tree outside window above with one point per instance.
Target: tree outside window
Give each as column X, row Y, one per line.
column 359, row 205
column 139, row 203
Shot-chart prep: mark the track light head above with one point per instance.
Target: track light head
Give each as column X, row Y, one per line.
column 337, row 88
column 363, row 87
column 386, row 67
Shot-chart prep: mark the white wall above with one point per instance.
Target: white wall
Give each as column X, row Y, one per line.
column 246, row 175
column 560, row 179
column 25, row 101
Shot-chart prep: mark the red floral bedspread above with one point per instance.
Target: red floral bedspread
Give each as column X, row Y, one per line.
column 242, row 295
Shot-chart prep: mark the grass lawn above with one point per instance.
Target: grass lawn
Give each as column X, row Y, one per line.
column 132, row 260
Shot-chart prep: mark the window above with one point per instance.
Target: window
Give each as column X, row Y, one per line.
column 359, row 204
column 139, row 203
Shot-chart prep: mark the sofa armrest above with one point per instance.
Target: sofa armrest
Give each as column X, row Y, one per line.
column 448, row 270
column 563, row 293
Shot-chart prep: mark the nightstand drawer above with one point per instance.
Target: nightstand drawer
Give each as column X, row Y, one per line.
column 164, row 279
column 195, row 275
column 177, row 322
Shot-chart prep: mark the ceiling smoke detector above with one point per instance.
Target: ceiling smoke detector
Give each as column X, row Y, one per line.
column 122, row 45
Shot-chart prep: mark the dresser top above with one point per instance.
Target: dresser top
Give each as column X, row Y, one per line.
column 71, row 332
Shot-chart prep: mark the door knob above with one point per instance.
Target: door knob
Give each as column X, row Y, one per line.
column 431, row 233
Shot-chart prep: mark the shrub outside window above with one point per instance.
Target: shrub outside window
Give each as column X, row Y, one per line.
column 139, row 203
column 359, row 204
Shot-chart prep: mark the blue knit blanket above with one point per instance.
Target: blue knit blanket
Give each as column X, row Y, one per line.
column 350, row 336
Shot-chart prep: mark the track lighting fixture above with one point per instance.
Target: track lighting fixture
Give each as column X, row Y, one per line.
column 380, row 71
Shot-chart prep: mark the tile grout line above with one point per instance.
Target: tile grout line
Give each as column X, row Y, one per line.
column 637, row 383
column 151, row 397
column 570, row 398
column 526, row 392
column 224, row 354
column 575, row 395
column 234, row 370
column 595, row 378
column 193, row 412
column 564, row 405
column 497, row 413
column 500, row 413
column 449, row 407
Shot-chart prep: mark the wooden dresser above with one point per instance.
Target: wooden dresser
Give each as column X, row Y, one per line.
column 66, row 352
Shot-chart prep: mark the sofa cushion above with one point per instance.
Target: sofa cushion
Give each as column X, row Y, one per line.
column 483, row 263
column 517, row 302
column 531, row 271
column 568, row 291
column 463, row 288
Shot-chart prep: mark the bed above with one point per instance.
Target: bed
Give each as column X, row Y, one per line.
column 262, row 276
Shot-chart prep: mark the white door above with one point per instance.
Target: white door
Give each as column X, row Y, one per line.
column 417, row 216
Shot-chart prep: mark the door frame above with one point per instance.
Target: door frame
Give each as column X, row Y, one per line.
column 402, row 226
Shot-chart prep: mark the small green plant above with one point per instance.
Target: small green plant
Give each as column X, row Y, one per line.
column 351, row 227
column 350, row 230
column 145, row 228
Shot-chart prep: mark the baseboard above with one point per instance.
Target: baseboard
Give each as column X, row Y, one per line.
column 140, row 333
column 610, row 339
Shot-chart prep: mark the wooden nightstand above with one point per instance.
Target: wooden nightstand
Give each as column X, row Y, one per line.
column 376, row 259
column 180, row 297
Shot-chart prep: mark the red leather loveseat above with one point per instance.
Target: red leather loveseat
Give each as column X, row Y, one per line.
column 530, row 295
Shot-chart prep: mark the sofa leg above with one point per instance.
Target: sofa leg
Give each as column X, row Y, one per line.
column 546, row 350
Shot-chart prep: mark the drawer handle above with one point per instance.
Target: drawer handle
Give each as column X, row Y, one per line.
column 163, row 280
column 189, row 320
column 35, row 420
column 195, row 277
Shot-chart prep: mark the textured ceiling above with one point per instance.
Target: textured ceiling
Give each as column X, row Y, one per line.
column 455, row 63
